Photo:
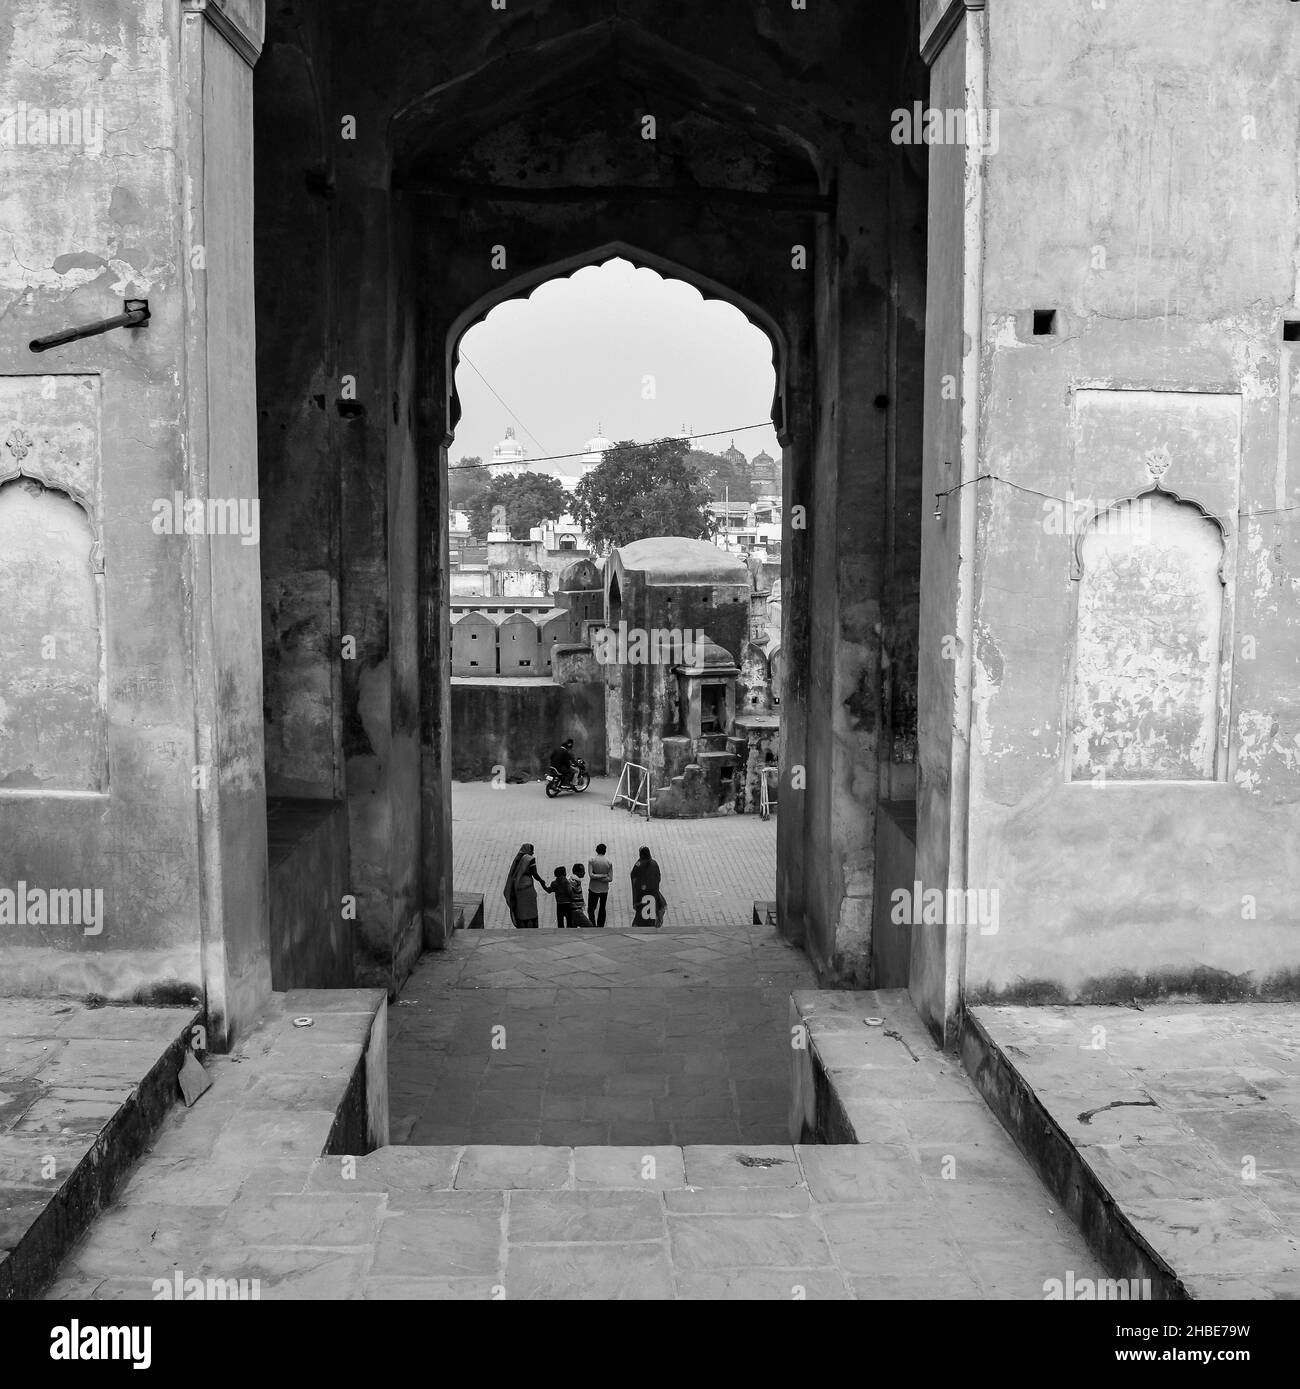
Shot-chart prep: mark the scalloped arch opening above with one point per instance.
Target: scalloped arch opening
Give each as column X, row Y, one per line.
column 707, row 291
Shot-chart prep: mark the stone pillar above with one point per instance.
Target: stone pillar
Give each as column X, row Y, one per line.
column 219, row 42
column 952, row 43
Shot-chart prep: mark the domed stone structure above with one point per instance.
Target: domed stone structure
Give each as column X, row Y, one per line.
column 676, row 610
column 508, row 456
column 767, row 476
column 593, row 451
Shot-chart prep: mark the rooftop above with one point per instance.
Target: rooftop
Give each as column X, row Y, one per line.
column 670, row 559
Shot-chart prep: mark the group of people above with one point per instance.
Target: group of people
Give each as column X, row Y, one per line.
column 648, row 902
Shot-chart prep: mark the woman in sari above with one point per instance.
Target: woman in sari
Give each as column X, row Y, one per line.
column 648, row 903
column 520, row 894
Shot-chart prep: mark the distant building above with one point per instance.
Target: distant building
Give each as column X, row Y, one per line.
column 766, row 472
column 509, row 457
column 676, row 614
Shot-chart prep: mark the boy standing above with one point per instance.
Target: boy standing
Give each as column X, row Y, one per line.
column 602, row 874
column 562, row 890
column 577, row 915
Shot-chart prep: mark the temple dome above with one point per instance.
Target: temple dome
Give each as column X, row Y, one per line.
column 509, row 450
column 593, row 451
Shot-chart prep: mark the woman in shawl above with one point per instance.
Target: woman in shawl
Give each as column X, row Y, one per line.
column 520, row 894
column 648, row 902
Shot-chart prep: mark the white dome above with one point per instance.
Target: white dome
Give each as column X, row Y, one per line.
column 594, row 449
column 509, row 450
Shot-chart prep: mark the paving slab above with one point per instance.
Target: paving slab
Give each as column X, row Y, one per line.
column 495, row 1036
column 784, row 1222
column 82, row 1090
column 1186, row 1121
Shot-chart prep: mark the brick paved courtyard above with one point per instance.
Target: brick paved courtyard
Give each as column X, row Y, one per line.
column 713, row 870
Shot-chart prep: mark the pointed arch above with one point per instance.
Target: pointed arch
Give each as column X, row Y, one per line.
column 523, row 285
column 1099, row 513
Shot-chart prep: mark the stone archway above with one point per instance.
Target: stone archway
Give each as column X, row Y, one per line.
column 511, row 153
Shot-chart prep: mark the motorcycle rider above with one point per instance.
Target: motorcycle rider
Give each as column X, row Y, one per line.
column 562, row 761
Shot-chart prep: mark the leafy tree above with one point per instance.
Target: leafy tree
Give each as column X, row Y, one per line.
column 530, row 499
column 465, row 480
column 726, row 477
column 643, row 490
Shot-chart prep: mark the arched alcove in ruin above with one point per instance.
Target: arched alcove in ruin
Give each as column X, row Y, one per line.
column 1149, row 651
column 52, row 734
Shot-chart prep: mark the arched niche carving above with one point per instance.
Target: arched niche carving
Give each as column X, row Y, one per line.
column 52, row 673
column 1089, row 526
column 45, row 461
column 1149, row 651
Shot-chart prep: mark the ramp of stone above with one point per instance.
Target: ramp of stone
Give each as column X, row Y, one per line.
column 81, row 1092
column 596, row 1037
column 287, row 1094
column 699, row 1222
column 1174, row 1130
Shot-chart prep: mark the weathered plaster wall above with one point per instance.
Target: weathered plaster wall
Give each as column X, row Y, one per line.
column 515, row 725
column 949, row 373
column 311, row 939
column 301, row 403
column 221, row 425
column 1146, row 189
column 52, row 733
column 84, row 226
column 891, row 936
column 147, row 195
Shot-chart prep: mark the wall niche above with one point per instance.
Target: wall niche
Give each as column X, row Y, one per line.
column 1149, row 655
column 53, row 726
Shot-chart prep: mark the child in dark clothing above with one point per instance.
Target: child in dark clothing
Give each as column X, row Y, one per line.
column 562, row 890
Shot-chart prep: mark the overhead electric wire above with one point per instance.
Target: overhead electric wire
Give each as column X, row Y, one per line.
column 509, row 411
column 618, row 448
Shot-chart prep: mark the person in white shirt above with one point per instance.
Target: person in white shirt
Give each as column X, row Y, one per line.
column 602, row 874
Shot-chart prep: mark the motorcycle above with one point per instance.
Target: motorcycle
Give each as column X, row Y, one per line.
column 555, row 783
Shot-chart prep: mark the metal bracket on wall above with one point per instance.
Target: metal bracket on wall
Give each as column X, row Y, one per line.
column 135, row 314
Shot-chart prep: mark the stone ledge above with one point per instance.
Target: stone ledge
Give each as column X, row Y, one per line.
column 92, row 1086
column 1139, row 1121
column 284, row 1096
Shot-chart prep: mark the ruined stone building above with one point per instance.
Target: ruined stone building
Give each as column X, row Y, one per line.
column 1029, row 274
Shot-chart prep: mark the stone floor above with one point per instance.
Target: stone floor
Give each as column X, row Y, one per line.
column 713, row 870
column 68, row 1076
column 238, row 1187
column 700, row 1222
column 601, row 1037
column 1190, row 1117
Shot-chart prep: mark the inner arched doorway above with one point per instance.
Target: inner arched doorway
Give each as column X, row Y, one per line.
column 773, row 194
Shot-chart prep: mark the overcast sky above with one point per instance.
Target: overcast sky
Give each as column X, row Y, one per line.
column 574, row 356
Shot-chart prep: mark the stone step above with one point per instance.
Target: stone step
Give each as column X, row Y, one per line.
column 694, row 1222
column 96, row 1083
column 469, row 910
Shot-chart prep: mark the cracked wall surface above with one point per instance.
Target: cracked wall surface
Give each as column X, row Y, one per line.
column 1152, row 204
